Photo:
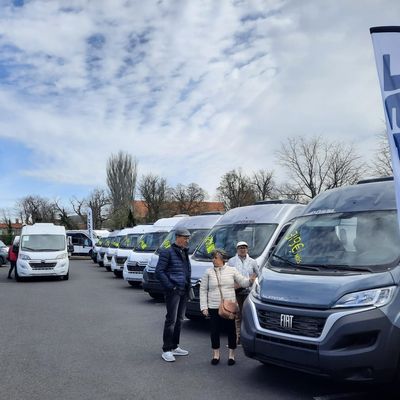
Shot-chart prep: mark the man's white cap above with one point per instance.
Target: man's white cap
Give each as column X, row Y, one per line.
column 242, row 244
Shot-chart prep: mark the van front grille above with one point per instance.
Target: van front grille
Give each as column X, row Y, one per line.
column 42, row 265
column 120, row 260
column 301, row 325
column 134, row 268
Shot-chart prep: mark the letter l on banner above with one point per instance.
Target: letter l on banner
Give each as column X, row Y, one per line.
column 386, row 42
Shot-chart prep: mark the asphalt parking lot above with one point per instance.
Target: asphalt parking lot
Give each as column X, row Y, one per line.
column 95, row 337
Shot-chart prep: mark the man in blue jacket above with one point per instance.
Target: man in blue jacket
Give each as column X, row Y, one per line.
column 173, row 271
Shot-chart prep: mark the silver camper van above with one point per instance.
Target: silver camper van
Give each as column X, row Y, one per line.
column 328, row 301
column 260, row 225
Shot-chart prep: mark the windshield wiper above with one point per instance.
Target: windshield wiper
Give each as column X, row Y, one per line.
column 299, row 266
column 345, row 267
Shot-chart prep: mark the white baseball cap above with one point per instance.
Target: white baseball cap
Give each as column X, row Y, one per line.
column 242, row 244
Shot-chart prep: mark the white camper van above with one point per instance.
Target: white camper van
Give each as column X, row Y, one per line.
column 148, row 244
column 260, row 225
column 42, row 252
column 128, row 241
column 198, row 226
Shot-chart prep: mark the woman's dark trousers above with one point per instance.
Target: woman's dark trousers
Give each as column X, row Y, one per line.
column 217, row 324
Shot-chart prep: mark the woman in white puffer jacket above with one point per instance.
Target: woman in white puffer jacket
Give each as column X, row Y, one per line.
column 210, row 299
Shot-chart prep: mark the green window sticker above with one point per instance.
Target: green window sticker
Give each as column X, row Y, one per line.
column 296, row 245
column 166, row 244
column 209, row 244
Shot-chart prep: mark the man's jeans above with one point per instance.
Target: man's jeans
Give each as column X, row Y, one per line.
column 176, row 307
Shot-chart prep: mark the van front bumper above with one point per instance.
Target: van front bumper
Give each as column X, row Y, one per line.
column 150, row 283
column 30, row 268
column 359, row 345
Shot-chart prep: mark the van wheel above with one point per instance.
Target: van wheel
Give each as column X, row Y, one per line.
column 156, row 296
column 108, row 268
column 16, row 276
column 118, row 274
column 66, row 277
column 134, row 283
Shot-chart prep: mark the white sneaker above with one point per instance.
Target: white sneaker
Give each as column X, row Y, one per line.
column 168, row 356
column 179, row 352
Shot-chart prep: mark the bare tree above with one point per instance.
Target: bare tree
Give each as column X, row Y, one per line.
column 236, row 190
column 287, row 191
column 155, row 193
column 382, row 163
column 98, row 201
column 79, row 206
column 344, row 166
column 189, row 198
column 34, row 209
column 315, row 165
column 121, row 182
column 263, row 184
column 64, row 215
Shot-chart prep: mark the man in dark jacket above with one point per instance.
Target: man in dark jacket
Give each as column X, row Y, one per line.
column 173, row 271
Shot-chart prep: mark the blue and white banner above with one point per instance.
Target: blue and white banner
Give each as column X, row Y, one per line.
column 386, row 42
column 90, row 223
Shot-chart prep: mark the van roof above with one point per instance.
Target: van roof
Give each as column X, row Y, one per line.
column 136, row 229
column 198, row 221
column 169, row 223
column 371, row 196
column 43, row 228
column 261, row 213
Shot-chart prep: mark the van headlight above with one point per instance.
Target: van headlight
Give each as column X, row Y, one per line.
column 373, row 297
column 24, row 257
column 255, row 290
column 61, row 256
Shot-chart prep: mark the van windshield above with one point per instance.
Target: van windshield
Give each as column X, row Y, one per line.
column 43, row 242
column 149, row 242
column 196, row 236
column 226, row 237
column 368, row 239
column 130, row 241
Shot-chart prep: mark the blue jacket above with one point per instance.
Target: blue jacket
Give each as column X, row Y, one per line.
column 173, row 269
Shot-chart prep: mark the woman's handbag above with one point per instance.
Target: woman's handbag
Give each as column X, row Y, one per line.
column 227, row 309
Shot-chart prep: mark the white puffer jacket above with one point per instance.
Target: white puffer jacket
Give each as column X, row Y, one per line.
column 210, row 296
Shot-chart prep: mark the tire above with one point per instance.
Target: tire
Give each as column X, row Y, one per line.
column 2, row 261
column 134, row 283
column 118, row 274
column 65, row 277
column 108, row 268
column 156, row 296
column 17, row 277
column 195, row 317
column 101, row 264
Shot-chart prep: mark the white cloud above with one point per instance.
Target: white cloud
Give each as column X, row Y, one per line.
column 193, row 89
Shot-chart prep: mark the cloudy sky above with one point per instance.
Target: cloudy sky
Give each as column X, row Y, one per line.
column 191, row 88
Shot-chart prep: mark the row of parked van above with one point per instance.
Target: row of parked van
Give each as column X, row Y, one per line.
column 327, row 299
